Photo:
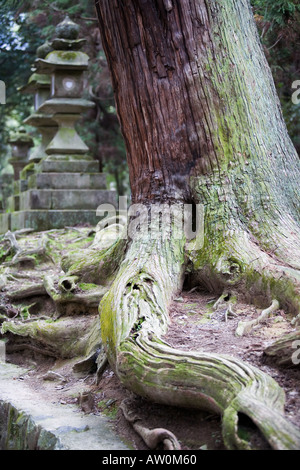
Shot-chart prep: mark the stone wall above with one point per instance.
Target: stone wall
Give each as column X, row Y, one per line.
column 18, row 431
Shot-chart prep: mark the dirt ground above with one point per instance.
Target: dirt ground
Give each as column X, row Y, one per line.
column 195, row 325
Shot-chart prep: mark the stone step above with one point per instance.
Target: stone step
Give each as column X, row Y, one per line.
column 67, row 181
column 12, row 203
column 64, row 199
column 76, row 166
column 30, row 422
column 42, row 220
column 4, row 222
column 20, row 186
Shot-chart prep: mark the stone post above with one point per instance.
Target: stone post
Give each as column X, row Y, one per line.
column 7, row 187
column 20, row 143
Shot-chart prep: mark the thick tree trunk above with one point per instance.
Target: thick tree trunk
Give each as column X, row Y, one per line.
column 202, row 124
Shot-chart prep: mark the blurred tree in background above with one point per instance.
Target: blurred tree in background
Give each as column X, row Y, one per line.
column 18, row 42
column 278, row 23
column 27, row 24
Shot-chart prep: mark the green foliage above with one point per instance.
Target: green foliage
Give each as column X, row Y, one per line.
column 25, row 311
column 278, row 12
column 18, row 42
column 278, row 22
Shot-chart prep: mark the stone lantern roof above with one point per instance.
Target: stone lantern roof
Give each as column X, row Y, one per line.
column 36, row 82
column 21, row 138
column 65, row 53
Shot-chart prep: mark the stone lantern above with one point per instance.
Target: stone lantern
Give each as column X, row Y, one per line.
column 20, row 143
column 66, row 187
column 39, row 85
column 66, row 64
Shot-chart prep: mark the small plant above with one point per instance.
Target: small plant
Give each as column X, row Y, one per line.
column 25, row 313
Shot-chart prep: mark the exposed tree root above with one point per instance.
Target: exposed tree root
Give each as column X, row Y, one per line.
column 67, row 338
column 23, row 255
column 23, row 232
column 19, row 346
column 219, row 301
column 229, row 313
column 286, row 350
column 67, row 284
column 9, row 245
column 245, row 327
column 296, row 320
column 28, row 290
column 151, row 437
column 134, row 316
column 69, row 298
column 99, row 263
column 64, row 338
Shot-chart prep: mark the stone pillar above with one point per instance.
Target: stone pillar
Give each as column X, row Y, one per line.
column 7, row 187
column 20, row 143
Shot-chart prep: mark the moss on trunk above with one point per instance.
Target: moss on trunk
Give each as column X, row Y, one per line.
column 203, row 125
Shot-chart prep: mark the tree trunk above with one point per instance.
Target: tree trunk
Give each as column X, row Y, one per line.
column 202, row 124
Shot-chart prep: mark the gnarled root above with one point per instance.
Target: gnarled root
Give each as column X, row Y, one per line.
column 67, row 284
column 151, row 437
column 64, row 338
column 23, row 255
column 134, row 317
column 69, row 299
column 27, row 290
column 245, row 327
column 286, row 350
column 99, row 262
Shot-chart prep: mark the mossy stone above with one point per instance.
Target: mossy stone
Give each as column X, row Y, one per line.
column 43, row 50
column 67, row 29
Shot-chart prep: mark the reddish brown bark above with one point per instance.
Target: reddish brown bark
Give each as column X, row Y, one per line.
column 150, row 47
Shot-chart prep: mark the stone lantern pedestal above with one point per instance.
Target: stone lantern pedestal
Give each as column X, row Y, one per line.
column 39, row 85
